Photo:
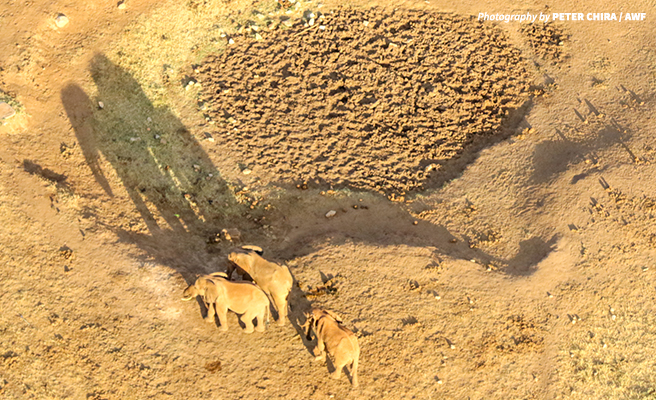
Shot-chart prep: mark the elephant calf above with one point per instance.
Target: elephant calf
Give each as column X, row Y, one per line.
column 221, row 295
column 274, row 279
column 340, row 343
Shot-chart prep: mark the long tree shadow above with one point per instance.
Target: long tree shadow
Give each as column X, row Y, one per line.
column 169, row 178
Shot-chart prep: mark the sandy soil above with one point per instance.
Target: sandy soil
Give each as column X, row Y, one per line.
column 494, row 234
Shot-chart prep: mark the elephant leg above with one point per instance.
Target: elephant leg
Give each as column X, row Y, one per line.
column 222, row 313
column 247, row 319
column 320, row 354
column 338, row 370
column 209, row 318
column 281, row 305
column 260, row 320
column 354, row 373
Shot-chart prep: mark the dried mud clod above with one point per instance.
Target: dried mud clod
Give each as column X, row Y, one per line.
column 546, row 40
column 65, row 252
column 410, row 89
column 213, row 366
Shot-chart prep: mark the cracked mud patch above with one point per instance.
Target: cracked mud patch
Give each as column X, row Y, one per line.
column 363, row 99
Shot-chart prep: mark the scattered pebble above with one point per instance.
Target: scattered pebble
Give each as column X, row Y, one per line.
column 258, row 36
column 645, row 269
column 437, row 297
column 613, row 317
column 121, row 5
column 365, row 23
column 415, row 222
column 311, row 22
column 331, row 213
column 101, row 105
column 135, row 139
column 61, row 21
column 453, row 346
column 246, row 171
column 231, row 41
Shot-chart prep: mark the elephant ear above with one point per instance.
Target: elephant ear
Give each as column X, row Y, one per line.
column 213, row 291
column 253, row 248
column 202, row 285
column 336, row 317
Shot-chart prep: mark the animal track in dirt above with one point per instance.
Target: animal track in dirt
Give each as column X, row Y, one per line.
column 362, row 98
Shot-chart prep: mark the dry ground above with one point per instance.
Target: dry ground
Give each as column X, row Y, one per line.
column 494, row 234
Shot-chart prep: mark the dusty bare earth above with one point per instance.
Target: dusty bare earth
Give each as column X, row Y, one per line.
column 494, row 231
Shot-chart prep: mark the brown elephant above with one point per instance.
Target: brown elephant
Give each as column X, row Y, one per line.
column 221, row 295
column 333, row 337
column 274, row 279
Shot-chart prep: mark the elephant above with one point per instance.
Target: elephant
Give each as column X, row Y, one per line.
column 221, row 295
column 333, row 337
column 274, row 279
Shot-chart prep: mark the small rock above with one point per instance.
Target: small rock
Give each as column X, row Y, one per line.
column 288, row 22
column 135, row 139
column 61, row 21
column 322, row 27
column 101, row 105
column 311, row 22
column 6, row 111
column 232, row 234
column 258, row 36
column 246, row 171
column 331, row 213
column 121, row 5
column 231, row 41
column 365, row 23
